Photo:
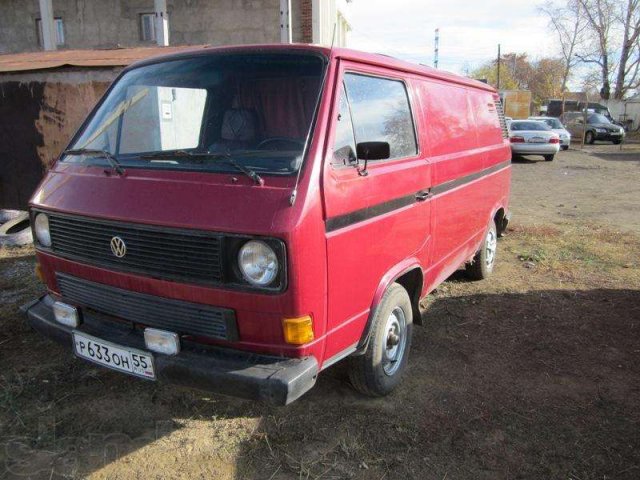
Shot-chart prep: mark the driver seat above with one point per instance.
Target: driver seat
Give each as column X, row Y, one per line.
column 238, row 131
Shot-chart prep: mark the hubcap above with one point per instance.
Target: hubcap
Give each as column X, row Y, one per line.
column 491, row 247
column 395, row 341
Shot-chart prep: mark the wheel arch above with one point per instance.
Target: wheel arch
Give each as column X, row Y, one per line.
column 408, row 274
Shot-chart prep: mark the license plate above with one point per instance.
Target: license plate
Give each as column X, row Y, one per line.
column 123, row 359
column 537, row 140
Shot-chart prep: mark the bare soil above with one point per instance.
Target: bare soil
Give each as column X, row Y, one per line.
column 532, row 374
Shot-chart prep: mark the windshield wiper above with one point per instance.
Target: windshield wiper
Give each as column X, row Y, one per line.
column 110, row 157
column 200, row 156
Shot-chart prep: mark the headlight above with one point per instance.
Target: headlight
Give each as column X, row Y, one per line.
column 258, row 263
column 601, row 130
column 41, row 227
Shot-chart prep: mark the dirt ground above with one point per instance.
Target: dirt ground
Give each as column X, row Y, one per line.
column 534, row 374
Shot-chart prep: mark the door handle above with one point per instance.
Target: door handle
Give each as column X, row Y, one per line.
column 423, row 195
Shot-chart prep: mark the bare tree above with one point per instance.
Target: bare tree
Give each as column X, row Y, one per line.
column 569, row 24
column 627, row 78
column 600, row 16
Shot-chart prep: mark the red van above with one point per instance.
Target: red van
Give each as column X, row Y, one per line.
column 239, row 219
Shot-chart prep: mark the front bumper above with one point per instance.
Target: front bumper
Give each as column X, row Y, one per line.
column 609, row 136
column 275, row 380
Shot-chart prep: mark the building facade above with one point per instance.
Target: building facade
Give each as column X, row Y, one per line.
column 83, row 24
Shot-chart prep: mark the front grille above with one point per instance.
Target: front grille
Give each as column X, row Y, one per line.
column 166, row 253
column 174, row 315
column 503, row 121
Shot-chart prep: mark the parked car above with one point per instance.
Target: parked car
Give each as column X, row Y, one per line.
column 530, row 137
column 238, row 219
column 557, row 127
column 598, row 127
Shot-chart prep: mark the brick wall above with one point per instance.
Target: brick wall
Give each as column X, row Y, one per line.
column 307, row 21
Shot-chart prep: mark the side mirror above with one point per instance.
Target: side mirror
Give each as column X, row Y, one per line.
column 372, row 151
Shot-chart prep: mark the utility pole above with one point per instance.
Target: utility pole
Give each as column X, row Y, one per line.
column 47, row 23
column 436, row 48
column 498, row 81
column 285, row 22
column 162, row 22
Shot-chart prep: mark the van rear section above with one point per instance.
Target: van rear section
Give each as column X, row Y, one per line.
column 239, row 219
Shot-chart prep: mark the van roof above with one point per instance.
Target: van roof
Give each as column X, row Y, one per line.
column 343, row 53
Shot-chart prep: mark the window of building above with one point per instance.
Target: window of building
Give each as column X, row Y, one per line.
column 381, row 113
column 148, row 27
column 58, row 27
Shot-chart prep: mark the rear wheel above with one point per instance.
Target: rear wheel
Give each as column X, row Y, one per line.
column 589, row 138
column 481, row 266
column 549, row 158
column 379, row 370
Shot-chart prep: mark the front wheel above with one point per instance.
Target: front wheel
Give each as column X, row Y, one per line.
column 379, row 370
column 589, row 138
column 617, row 141
column 481, row 266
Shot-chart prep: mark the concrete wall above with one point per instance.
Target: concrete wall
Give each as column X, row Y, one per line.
column 110, row 23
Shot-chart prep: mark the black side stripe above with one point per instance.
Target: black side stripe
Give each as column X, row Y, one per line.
column 363, row 214
column 342, row 221
column 451, row 184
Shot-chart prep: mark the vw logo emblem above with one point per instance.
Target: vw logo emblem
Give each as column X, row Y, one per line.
column 118, row 247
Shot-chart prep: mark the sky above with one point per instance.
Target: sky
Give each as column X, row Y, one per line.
column 470, row 31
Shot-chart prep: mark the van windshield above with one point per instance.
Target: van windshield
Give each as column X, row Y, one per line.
column 254, row 109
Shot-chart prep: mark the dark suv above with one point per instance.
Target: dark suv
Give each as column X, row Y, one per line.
column 598, row 127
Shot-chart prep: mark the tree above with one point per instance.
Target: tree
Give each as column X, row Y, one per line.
column 570, row 25
column 542, row 77
column 619, row 62
column 489, row 72
column 599, row 15
column 627, row 78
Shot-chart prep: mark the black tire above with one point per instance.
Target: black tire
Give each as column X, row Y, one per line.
column 16, row 232
column 372, row 373
column 589, row 138
column 616, row 141
column 481, row 267
column 565, row 147
column 549, row 158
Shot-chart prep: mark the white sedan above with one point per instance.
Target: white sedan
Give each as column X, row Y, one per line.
column 529, row 137
column 556, row 126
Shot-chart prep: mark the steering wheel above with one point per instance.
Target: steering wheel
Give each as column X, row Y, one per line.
column 264, row 144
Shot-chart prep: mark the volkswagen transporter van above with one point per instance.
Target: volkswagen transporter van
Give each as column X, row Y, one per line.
column 239, row 219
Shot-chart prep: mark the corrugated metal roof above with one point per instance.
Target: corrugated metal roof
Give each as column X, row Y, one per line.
column 20, row 62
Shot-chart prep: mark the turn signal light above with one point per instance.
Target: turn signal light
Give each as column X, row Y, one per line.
column 298, row 331
column 517, row 139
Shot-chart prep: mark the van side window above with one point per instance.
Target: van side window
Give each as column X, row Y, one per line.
column 381, row 113
column 344, row 145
